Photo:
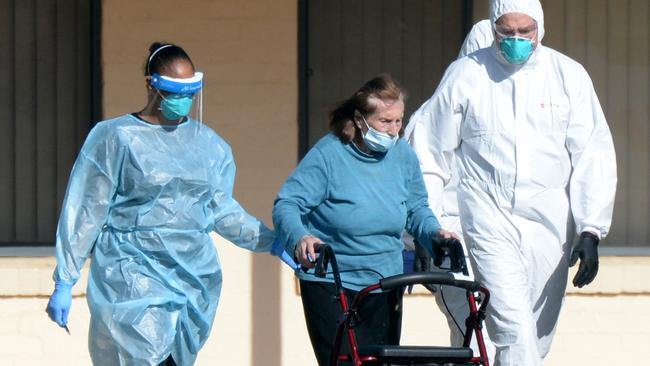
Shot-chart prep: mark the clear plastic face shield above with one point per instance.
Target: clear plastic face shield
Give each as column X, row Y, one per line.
column 180, row 97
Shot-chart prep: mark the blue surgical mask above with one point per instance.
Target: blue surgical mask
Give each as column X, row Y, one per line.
column 378, row 141
column 176, row 106
column 516, row 50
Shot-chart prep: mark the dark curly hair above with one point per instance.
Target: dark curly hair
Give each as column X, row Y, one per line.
column 162, row 54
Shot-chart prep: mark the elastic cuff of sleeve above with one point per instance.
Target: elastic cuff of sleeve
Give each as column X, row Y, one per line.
column 63, row 286
column 590, row 235
column 592, row 230
column 276, row 248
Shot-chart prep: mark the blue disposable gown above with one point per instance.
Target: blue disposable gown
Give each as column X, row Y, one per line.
column 141, row 201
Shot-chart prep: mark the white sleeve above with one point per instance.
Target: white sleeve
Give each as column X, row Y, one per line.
column 589, row 142
column 433, row 132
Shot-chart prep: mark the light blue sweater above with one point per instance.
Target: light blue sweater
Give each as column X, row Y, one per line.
column 359, row 204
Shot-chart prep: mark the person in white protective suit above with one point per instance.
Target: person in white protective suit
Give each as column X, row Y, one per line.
column 480, row 36
column 535, row 161
column 452, row 301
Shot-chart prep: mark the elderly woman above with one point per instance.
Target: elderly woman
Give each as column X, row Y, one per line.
column 357, row 189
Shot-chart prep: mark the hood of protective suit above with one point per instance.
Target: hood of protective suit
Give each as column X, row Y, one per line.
column 532, row 8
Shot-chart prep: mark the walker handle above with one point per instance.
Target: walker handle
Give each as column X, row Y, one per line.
column 325, row 251
column 427, row 278
column 327, row 256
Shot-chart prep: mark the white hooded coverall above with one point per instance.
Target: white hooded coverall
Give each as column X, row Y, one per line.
column 480, row 36
column 452, row 301
column 534, row 157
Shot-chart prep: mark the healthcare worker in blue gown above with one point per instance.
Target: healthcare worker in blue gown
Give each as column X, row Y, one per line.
column 145, row 192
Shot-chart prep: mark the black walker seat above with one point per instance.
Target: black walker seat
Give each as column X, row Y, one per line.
column 402, row 354
column 416, row 353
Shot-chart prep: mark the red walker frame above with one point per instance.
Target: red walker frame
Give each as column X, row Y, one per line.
column 397, row 354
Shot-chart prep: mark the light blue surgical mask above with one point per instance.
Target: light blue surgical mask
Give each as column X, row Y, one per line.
column 176, row 106
column 378, row 141
column 516, row 50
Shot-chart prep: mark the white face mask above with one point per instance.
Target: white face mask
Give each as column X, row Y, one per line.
column 378, row 141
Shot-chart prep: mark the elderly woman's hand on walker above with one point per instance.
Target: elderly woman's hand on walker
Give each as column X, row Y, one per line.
column 305, row 251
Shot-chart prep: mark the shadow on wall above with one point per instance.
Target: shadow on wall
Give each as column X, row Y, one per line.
column 266, row 305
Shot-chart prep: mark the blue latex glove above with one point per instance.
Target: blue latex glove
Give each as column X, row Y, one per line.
column 58, row 307
column 278, row 251
column 407, row 258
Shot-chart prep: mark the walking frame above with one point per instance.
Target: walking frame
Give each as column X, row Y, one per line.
column 364, row 354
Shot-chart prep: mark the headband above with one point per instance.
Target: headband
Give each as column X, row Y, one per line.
column 154, row 54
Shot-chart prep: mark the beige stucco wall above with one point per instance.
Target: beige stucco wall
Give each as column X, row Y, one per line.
column 605, row 324
column 248, row 51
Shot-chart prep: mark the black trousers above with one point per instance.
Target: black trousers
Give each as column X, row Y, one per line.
column 379, row 322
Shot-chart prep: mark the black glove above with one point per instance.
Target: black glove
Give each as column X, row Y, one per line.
column 452, row 248
column 423, row 263
column 587, row 250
